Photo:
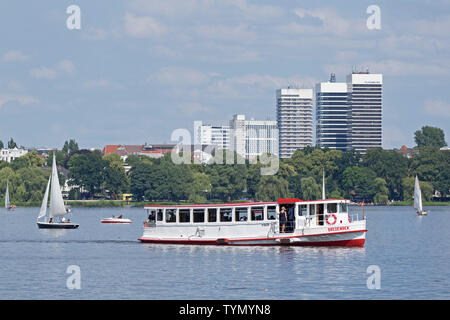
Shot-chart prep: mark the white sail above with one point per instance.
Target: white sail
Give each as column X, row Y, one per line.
column 44, row 201
column 57, row 207
column 417, row 196
column 7, row 195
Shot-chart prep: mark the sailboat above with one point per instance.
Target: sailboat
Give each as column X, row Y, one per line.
column 418, row 199
column 57, row 208
column 8, row 206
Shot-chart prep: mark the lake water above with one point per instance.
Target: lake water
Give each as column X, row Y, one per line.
column 411, row 252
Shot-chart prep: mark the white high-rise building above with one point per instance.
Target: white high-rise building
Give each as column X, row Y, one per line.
column 252, row 138
column 366, row 110
column 248, row 138
column 295, row 120
column 212, row 135
column 332, row 115
column 349, row 114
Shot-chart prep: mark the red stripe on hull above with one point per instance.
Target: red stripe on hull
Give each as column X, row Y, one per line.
column 113, row 222
column 337, row 243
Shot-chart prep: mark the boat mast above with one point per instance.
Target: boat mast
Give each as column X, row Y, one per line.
column 323, row 183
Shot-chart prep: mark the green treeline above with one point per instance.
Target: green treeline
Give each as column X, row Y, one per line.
column 378, row 176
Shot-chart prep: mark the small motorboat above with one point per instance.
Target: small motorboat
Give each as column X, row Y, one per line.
column 115, row 219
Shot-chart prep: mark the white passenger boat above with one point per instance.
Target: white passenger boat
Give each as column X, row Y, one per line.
column 313, row 223
column 115, row 219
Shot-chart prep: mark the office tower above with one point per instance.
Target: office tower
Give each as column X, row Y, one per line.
column 294, row 118
column 349, row 114
column 366, row 110
column 333, row 113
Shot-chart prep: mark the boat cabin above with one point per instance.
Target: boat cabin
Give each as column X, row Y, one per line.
column 299, row 214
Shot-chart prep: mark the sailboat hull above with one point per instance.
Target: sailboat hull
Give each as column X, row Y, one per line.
column 46, row 225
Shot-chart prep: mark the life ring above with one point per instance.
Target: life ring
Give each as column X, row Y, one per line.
column 334, row 221
column 349, row 220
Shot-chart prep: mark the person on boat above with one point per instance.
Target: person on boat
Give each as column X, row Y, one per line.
column 50, row 220
column 290, row 218
column 282, row 217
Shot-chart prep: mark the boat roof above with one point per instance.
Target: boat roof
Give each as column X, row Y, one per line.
column 239, row 204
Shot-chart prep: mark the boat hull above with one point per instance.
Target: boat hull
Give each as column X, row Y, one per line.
column 46, row 225
column 354, row 238
column 111, row 220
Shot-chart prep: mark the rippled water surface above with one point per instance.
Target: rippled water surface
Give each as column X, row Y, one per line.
column 412, row 252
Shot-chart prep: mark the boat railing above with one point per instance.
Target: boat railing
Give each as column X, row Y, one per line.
column 149, row 224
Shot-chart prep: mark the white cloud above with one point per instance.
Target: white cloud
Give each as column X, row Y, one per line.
column 50, row 73
column 437, row 108
column 14, row 55
column 101, row 83
column 143, row 27
column 179, row 76
column 21, row 99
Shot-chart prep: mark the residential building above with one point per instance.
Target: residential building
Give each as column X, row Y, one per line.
column 252, row 138
column 366, row 110
column 294, row 119
column 248, row 138
column 9, row 155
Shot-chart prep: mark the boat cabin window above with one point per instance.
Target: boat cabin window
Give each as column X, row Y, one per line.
column 199, row 215
column 257, row 213
column 271, row 213
column 332, row 207
column 170, row 216
column 226, row 215
column 302, row 210
column 184, row 215
column 343, row 208
column 151, row 215
column 212, row 215
column 159, row 215
column 312, row 209
column 241, row 214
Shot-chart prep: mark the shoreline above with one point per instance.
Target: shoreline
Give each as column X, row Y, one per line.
column 124, row 203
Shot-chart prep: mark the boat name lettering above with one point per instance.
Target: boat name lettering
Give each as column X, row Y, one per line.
column 337, row 228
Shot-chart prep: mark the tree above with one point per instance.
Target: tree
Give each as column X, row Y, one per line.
column 200, row 187
column 87, row 171
column 271, row 188
column 12, row 144
column 389, row 165
column 1, row 144
column 381, row 192
column 359, row 182
column 310, row 189
column 115, row 177
column 430, row 137
column 408, row 189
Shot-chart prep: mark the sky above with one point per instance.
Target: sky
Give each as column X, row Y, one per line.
column 137, row 70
